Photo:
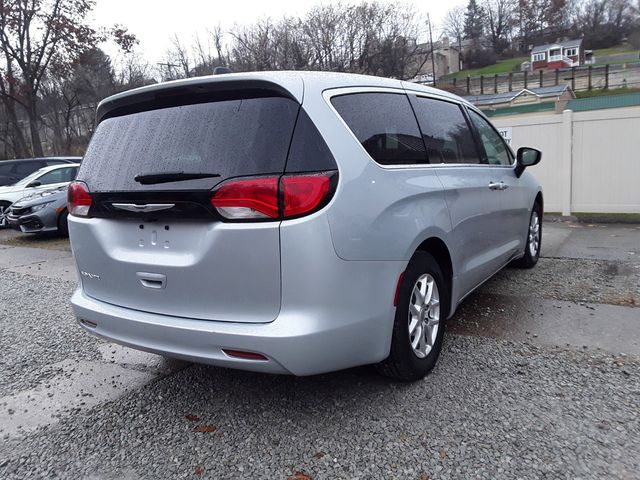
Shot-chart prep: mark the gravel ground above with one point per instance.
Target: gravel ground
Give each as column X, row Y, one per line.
column 38, row 330
column 490, row 409
column 576, row 280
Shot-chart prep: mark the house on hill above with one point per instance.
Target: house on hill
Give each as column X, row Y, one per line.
column 565, row 54
column 447, row 60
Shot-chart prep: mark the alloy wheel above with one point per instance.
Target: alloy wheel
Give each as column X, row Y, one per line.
column 424, row 315
column 4, row 213
column 534, row 234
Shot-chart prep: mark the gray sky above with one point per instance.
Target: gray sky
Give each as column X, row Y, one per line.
column 155, row 22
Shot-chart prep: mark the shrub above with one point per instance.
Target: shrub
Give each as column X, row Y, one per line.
column 479, row 57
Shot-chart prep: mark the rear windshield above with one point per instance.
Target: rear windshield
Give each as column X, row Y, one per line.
column 231, row 138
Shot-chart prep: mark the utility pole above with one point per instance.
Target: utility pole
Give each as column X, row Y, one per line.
column 433, row 59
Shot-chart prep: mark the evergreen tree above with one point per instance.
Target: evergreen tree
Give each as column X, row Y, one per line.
column 474, row 21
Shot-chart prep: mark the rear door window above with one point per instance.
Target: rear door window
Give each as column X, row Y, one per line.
column 231, row 138
column 385, row 125
column 445, row 131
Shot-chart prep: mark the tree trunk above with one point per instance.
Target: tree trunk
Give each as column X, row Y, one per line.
column 20, row 148
column 34, row 126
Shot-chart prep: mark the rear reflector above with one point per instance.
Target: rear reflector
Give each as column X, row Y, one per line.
column 397, row 294
column 78, row 199
column 244, row 355
column 258, row 198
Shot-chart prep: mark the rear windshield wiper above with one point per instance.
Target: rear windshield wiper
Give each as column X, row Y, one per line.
column 166, row 177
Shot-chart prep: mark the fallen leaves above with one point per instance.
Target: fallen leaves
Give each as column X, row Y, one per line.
column 205, row 428
column 443, row 454
column 198, row 470
column 318, row 455
column 299, row 476
column 191, row 417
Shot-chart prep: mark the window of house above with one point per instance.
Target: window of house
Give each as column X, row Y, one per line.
column 445, row 132
column 555, row 54
column 385, row 125
column 538, row 57
column 571, row 52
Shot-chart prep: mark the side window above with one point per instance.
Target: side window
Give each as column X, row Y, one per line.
column 445, row 132
column 494, row 146
column 385, row 126
column 5, row 168
column 27, row 168
column 58, row 176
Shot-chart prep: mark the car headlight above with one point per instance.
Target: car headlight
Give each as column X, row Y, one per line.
column 35, row 208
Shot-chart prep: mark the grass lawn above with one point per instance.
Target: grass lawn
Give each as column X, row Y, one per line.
column 615, row 50
column 502, row 66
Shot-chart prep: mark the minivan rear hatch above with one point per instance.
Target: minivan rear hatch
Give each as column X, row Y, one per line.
column 153, row 241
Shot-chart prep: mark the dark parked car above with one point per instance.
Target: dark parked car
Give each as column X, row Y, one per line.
column 41, row 212
column 12, row 171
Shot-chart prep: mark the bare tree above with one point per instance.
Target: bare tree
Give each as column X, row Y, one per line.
column 500, row 19
column 33, row 35
column 453, row 23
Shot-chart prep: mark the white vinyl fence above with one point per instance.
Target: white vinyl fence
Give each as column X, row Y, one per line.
column 590, row 160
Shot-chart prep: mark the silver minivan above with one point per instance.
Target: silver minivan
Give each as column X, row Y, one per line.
column 294, row 222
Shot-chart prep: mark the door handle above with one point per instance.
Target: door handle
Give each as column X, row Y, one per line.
column 498, row 186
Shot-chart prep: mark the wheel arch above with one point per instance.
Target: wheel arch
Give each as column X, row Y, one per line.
column 439, row 250
column 540, row 201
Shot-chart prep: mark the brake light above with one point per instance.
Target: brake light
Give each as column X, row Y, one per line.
column 258, row 198
column 78, row 199
column 303, row 193
column 253, row 198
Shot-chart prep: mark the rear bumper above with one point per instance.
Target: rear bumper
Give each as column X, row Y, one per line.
column 334, row 314
column 293, row 343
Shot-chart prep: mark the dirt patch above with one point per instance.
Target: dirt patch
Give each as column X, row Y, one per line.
column 47, row 241
column 577, row 280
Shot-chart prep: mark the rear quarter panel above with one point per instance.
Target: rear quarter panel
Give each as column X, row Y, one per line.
column 377, row 213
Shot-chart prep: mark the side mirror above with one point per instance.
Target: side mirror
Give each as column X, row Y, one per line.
column 527, row 157
column 34, row 184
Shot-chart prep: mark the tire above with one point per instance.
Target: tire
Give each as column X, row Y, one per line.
column 63, row 226
column 406, row 362
column 4, row 211
column 533, row 240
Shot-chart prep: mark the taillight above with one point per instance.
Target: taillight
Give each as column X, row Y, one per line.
column 303, row 193
column 249, row 198
column 78, row 199
column 258, row 198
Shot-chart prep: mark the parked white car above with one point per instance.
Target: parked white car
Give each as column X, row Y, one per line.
column 43, row 179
